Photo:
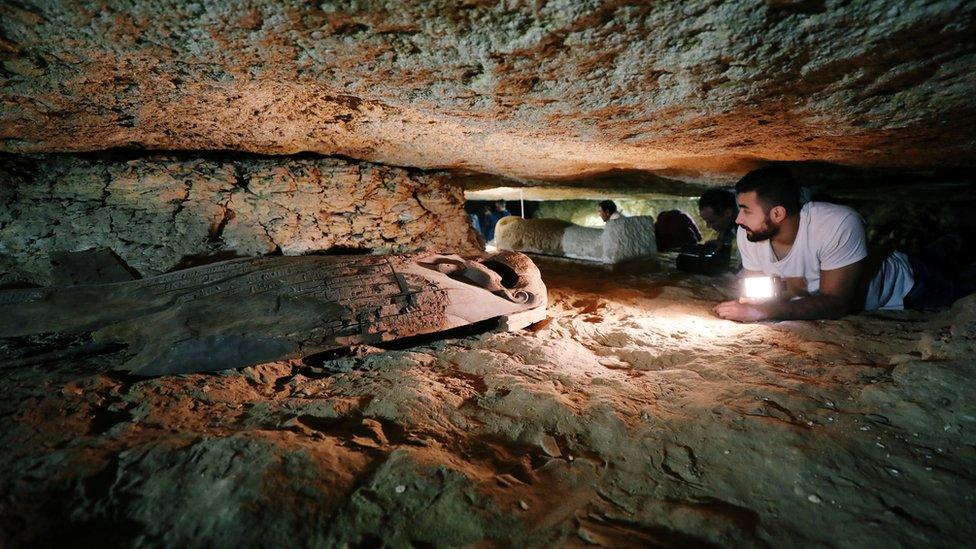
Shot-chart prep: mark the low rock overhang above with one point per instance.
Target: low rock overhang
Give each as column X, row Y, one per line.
column 689, row 91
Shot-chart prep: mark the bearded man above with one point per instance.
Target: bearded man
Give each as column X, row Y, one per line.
column 820, row 250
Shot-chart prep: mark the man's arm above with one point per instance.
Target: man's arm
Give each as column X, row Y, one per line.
column 838, row 292
column 837, row 297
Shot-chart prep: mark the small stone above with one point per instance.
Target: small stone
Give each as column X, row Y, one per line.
column 550, row 446
column 400, row 489
column 813, row 498
column 586, row 536
column 523, row 505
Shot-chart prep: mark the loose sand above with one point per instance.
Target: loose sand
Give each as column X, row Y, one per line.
column 630, row 417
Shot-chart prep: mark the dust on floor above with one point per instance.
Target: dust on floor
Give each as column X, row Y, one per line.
column 631, row 416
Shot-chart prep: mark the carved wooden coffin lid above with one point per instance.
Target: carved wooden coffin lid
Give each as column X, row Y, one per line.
column 243, row 312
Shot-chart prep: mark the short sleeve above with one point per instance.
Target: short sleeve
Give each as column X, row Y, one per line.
column 845, row 245
column 747, row 251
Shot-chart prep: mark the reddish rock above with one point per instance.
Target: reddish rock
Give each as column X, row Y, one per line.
column 539, row 90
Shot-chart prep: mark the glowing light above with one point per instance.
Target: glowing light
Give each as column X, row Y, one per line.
column 759, row 287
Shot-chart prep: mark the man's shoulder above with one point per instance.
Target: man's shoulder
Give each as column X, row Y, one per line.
column 826, row 210
column 836, row 233
column 826, row 220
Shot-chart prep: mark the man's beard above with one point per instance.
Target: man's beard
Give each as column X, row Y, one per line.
column 765, row 232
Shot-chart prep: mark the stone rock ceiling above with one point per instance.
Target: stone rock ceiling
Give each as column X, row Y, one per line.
column 537, row 90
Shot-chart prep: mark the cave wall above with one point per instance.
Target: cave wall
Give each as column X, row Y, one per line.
column 158, row 212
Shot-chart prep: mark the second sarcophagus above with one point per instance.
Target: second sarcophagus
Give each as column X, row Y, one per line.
column 243, row 312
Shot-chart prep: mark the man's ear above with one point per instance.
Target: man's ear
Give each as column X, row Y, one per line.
column 777, row 214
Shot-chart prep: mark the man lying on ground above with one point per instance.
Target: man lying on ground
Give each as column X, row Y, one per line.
column 820, row 250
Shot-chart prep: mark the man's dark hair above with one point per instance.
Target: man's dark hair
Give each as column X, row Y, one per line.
column 719, row 200
column 608, row 206
column 774, row 186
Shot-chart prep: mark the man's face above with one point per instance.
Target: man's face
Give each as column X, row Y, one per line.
column 718, row 221
column 754, row 219
column 604, row 215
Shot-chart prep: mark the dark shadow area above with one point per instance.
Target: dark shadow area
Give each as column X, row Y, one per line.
column 19, row 286
column 92, row 266
column 514, row 207
column 19, row 352
column 342, row 250
column 189, row 261
column 319, row 360
column 508, row 274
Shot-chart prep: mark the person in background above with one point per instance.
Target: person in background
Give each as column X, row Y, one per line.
column 499, row 212
column 608, row 210
column 476, row 223
column 674, row 230
column 717, row 207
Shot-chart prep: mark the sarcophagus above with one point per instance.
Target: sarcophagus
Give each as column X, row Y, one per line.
column 243, row 312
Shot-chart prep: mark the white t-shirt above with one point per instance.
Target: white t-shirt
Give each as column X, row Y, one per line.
column 830, row 236
column 616, row 215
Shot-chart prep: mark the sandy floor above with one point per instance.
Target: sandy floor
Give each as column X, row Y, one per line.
column 631, row 416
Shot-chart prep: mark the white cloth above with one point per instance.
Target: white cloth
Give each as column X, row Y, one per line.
column 615, row 215
column 830, row 236
column 889, row 287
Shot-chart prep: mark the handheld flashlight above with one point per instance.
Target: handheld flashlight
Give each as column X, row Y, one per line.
column 761, row 288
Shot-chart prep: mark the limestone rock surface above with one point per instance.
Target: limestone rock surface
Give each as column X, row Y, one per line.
column 633, row 417
column 156, row 212
column 524, row 89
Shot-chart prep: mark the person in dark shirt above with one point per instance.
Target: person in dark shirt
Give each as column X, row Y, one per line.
column 674, row 230
column 608, row 211
column 499, row 212
column 718, row 208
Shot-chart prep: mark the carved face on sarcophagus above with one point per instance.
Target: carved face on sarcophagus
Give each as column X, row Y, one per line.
column 243, row 312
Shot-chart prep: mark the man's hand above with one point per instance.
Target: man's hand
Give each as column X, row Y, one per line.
column 741, row 312
column 838, row 293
